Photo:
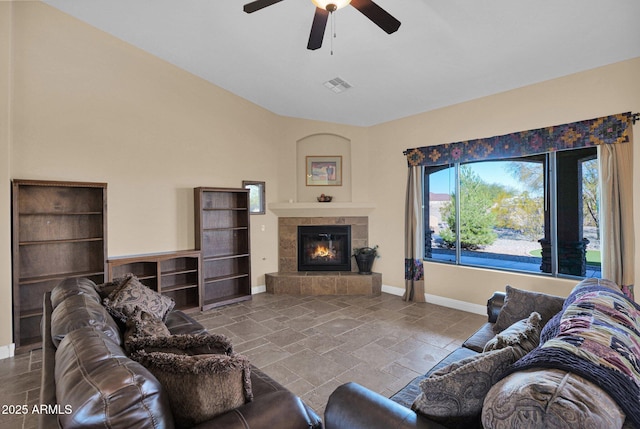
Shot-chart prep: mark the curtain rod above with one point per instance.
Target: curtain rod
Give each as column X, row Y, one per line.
column 635, row 117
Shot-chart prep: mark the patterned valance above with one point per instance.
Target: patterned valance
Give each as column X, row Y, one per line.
column 605, row 130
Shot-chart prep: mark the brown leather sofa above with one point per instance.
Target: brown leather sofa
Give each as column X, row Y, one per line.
column 352, row 406
column 138, row 395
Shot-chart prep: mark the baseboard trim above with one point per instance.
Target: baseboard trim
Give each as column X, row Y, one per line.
column 456, row 304
column 439, row 300
column 258, row 289
column 7, row 351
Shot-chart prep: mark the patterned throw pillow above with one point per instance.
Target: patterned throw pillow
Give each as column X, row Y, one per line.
column 200, row 386
column 106, row 289
column 458, row 390
column 523, row 335
column 519, row 304
column 550, row 399
column 131, row 294
column 141, row 325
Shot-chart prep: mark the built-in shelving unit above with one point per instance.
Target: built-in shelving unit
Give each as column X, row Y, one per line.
column 222, row 235
column 59, row 230
column 174, row 274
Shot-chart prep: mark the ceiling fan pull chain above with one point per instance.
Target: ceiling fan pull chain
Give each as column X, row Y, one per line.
column 333, row 29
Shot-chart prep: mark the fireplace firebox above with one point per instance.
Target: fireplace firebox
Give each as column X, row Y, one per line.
column 324, row 248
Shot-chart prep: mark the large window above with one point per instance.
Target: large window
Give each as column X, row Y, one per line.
column 536, row 213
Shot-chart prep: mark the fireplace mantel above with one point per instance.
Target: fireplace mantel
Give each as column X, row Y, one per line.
column 321, row 209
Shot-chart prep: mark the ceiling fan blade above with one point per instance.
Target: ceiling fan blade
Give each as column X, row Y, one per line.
column 317, row 29
column 378, row 15
column 259, row 4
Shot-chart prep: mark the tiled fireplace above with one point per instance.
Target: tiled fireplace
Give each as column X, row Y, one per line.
column 288, row 237
column 314, row 280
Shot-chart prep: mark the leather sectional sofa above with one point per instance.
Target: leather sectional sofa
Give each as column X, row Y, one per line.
column 103, row 387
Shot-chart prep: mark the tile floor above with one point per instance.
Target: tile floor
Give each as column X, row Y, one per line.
column 310, row 344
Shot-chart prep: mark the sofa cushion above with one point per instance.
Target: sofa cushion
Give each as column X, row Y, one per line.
column 200, row 386
column 479, row 339
column 103, row 388
column 78, row 311
column 549, row 398
column 131, row 294
column 179, row 322
column 458, row 389
column 407, row 395
column 73, row 286
column 523, row 335
column 519, row 304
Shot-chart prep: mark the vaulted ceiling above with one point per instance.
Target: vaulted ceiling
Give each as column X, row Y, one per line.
column 445, row 52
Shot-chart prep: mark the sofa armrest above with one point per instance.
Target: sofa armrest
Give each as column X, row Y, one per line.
column 494, row 305
column 276, row 410
column 352, row 406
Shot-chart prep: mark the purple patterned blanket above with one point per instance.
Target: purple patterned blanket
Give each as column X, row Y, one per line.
column 597, row 336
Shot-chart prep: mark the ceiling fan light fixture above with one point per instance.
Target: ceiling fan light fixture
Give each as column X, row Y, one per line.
column 331, row 5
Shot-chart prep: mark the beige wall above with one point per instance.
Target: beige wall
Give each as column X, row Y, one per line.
column 595, row 93
column 88, row 107
column 5, row 175
column 85, row 106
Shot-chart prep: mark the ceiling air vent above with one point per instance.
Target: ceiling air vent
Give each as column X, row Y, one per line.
column 337, row 85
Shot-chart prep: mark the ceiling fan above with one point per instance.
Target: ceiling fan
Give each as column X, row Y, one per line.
column 375, row 13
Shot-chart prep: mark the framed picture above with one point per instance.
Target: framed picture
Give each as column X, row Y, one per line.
column 324, row 171
column 256, row 196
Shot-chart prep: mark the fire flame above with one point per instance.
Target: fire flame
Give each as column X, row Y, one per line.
column 323, row 252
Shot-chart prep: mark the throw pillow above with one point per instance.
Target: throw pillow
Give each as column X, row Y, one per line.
column 519, row 304
column 458, row 389
column 201, row 386
column 182, row 344
column 106, row 289
column 523, row 335
column 549, row 398
column 142, row 324
column 131, row 294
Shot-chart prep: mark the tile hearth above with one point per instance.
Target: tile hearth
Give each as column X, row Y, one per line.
column 324, row 283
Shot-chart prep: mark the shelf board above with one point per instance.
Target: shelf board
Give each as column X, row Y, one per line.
column 178, row 272
column 59, row 276
column 221, row 257
column 31, row 313
column 223, row 278
column 179, row 287
column 92, row 213
column 224, row 300
column 66, row 240
column 228, row 228
column 213, row 209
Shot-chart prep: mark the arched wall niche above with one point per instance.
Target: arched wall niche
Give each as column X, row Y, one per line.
column 323, row 145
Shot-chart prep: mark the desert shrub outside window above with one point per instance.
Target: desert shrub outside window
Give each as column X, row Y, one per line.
column 536, row 214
